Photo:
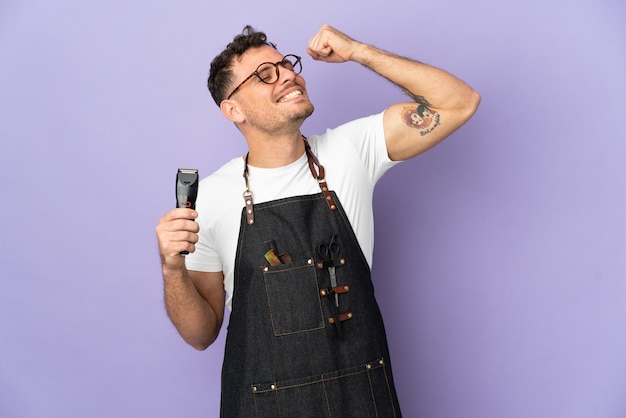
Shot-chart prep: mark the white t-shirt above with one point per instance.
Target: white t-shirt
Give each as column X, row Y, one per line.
column 354, row 156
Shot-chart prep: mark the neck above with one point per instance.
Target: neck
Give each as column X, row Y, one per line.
column 275, row 151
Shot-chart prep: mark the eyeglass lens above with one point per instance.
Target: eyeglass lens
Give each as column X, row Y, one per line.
column 269, row 73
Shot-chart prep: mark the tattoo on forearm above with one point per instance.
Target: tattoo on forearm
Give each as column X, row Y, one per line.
column 420, row 117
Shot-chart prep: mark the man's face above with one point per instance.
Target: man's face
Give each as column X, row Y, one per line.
column 271, row 108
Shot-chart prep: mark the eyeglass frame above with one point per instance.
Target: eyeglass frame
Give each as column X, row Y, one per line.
column 276, row 65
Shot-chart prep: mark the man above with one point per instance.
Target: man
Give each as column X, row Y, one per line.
column 293, row 254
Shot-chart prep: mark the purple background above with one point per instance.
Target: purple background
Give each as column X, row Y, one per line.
column 500, row 255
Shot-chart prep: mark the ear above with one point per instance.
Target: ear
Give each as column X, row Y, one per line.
column 232, row 111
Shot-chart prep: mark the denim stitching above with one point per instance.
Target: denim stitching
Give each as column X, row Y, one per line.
column 256, row 407
column 330, row 414
column 369, row 379
column 393, row 407
column 280, row 414
column 375, row 365
column 269, row 303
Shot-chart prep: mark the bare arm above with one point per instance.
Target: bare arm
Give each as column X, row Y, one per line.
column 441, row 102
column 195, row 304
column 194, row 300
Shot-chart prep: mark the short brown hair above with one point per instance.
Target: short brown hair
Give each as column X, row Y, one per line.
column 220, row 75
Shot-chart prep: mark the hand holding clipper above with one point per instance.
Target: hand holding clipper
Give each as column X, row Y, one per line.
column 186, row 190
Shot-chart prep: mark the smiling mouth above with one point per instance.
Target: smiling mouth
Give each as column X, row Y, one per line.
column 290, row 96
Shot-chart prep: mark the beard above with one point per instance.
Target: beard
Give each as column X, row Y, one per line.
column 280, row 123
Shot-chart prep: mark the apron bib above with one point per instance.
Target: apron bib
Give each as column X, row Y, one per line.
column 305, row 337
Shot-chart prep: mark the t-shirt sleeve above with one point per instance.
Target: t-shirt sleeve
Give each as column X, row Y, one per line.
column 367, row 136
column 206, row 257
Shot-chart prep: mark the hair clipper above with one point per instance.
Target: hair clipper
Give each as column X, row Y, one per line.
column 186, row 190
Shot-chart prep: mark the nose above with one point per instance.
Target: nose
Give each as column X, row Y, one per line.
column 285, row 75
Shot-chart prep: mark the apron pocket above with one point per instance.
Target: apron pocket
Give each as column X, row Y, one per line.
column 293, row 298
column 362, row 391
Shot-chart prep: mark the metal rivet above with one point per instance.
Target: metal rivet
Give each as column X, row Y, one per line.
column 369, row 366
column 266, row 269
column 331, row 320
column 323, row 292
column 320, row 266
column 328, row 198
column 342, row 261
column 249, row 210
column 273, row 387
column 350, row 315
column 381, row 361
column 346, row 288
column 254, row 389
column 333, row 207
column 248, row 202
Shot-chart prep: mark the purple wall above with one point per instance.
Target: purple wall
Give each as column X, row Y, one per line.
column 501, row 254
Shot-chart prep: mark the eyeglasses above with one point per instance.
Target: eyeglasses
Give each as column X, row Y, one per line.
column 268, row 72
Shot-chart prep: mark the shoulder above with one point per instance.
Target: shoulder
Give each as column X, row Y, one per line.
column 222, row 190
column 354, row 129
column 359, row 144
column 224, row 179
column 228, row 172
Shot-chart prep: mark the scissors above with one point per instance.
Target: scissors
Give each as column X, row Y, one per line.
column 330, row 252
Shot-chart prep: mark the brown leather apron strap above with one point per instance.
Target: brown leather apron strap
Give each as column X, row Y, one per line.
column 318, row 174
column 342, row 317
column 247, row 195
column 339, row 290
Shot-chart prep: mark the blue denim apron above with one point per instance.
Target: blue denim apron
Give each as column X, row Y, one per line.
column 290, row 350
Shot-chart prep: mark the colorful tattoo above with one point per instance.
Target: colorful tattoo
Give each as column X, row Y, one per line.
column 420, row 117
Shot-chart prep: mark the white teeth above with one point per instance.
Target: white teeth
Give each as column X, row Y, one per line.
column 291, row 96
